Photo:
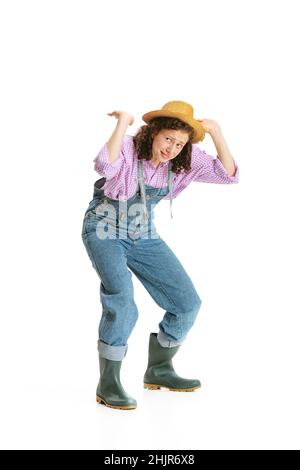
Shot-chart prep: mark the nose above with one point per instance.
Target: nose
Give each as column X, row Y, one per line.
column 170, row 148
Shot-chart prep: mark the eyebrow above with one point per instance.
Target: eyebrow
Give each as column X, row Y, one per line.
column 175, row 139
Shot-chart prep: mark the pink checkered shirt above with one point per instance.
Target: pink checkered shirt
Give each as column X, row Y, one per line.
column 121, row 176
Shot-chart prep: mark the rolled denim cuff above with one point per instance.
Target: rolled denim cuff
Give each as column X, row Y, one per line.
column 166, row 342
column 112, row 353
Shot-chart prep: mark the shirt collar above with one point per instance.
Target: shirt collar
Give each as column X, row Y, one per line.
column 160, row 164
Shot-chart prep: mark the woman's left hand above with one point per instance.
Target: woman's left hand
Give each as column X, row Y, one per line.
column 209, row 126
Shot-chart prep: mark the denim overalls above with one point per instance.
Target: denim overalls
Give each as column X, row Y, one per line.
column 120, row 238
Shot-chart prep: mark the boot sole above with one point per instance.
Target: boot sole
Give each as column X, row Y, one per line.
column 101, row 401
column 158, row 387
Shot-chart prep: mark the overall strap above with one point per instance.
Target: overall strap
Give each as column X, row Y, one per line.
column 170, row 187
column 142, row 188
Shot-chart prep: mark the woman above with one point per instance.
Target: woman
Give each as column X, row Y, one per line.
column 121, row 238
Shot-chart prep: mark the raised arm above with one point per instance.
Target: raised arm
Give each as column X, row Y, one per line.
column 212, row 128
column 115, row 141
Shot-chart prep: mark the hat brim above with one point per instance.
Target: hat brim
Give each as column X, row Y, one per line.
column 196, row 125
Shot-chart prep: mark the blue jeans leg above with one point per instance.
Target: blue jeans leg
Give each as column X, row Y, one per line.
column 119, row 311
column 164, row 277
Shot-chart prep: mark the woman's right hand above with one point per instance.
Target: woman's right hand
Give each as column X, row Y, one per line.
column 122, row 115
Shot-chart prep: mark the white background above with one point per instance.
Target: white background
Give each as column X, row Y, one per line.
column 64, row 65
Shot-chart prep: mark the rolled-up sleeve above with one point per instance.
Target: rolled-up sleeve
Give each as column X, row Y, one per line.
column 208, row 169
column 102, row 164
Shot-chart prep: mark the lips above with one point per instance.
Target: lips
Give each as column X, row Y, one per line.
column 165, row 156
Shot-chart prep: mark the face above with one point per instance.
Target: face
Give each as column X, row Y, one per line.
column 167, row 144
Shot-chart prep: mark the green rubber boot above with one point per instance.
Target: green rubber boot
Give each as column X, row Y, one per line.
column 110, row 391
column 160, row 372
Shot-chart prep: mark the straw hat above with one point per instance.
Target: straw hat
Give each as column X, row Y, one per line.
column 182, row 111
